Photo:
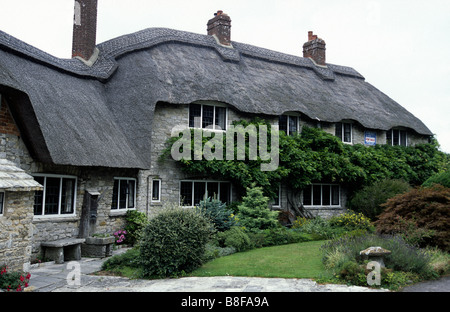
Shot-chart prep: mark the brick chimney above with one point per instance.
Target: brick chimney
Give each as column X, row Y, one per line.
column 84, row 29
column 315, row 49
column 220, row 26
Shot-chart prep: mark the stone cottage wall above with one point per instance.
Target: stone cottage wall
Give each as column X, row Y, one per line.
column 16, row 231
column 100, row 180
column 167, row 116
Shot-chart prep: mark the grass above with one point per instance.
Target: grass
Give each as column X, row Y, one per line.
column 301, row 260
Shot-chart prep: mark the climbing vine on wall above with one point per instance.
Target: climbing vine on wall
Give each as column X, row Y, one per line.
column 317, row 156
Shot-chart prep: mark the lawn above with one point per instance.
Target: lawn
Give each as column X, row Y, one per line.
column 301, row 260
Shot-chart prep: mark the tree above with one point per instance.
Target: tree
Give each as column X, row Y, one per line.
column 254, row 212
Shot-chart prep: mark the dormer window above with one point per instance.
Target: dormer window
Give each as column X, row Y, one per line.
column 397, row 137
column 290, row 124
column 344, row 132
column 208, row 116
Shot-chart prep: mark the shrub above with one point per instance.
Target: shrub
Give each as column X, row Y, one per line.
column 369, row 199
column 130, row 258
column 442, row 178
column 236, row 238
column 403, row 257
column 212, row 251
column 174, row 242
column 321, row 228
column 120, row 236
column 351, row 221
column 134, row 224
column 254, row 212
column 422, row 209
column 13, row 281
column 218, row 213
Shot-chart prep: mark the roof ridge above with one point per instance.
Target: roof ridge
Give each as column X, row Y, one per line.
column 106, row 63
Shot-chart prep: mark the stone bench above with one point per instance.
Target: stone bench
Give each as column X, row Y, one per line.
column 98, row 247
column 63, row 249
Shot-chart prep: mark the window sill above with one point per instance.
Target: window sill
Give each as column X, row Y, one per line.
column 56, row 218
column 119, row 213
column 323, row 207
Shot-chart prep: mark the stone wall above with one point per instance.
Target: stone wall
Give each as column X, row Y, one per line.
column 100, row 180
column 16, row 232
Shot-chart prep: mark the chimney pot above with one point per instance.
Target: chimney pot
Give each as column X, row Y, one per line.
column 220, row 26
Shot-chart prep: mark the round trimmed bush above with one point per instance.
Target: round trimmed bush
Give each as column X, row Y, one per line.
column 174, row 242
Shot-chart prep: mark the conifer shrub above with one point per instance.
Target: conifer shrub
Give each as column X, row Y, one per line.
column 220, row 215
column 254, row 212
column 174, row 242
column 422, row 214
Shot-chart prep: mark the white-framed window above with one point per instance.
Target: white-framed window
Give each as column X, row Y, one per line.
column 124, row 194
column 320, row 195
column 211, row 116
column 2, row 201
column 58, row 197
column 344, row 131
column 397, row 137
column 194, row 191
column 290, row 124
column 156, row 190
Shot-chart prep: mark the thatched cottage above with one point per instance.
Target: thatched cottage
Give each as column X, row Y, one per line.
column 90, row 129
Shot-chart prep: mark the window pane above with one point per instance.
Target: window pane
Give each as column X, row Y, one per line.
column 131, row 188
column 52, row 195
column 195, row 110
column 155, row 190
column 317, row 195
column 389, row 137
column 338, row 131
column 326, row 195
column 335, row 195
column 115, row 195
column 38, row 197
column 282, row 123
column 225, row 192
column 307, row 196
column 186, row 193
column 293, row 125
column 68, row 196
column 123, row 185
column 199, row 192
column 220, row 122
column 347, row 132
column 213, row 189
column 395, row 137
column 402, row 138
column 208, row 115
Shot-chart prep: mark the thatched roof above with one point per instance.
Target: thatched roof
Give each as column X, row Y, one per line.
column 102, row 115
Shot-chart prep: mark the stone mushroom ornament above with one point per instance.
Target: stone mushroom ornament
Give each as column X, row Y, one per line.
column 375, row 254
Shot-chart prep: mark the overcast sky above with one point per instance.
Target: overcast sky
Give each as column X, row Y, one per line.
column 401, row 47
